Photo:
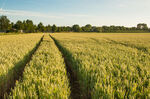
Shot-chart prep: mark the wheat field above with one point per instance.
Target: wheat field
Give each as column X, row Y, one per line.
column 75, row 65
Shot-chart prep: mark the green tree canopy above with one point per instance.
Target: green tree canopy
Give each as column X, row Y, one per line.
column 142, row 26
column 19, row 25
column 4, row 23
column 88, row 28
column 54, row 28
column 40, row 27
column 76, row 28
column 48, row 28
column 29, row 26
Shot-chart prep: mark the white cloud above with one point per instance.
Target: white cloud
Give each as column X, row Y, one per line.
column 37, row 14
column 26, row 13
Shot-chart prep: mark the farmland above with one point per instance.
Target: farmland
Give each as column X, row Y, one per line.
column 75, row 65
column 45, row 76
column 107, row 69
column 14, row 52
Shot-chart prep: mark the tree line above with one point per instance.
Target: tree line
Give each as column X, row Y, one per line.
column 27, row 26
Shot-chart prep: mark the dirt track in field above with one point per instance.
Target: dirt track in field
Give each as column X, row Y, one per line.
column 76, row 92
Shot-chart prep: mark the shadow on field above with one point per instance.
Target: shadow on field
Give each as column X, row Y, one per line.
column 97, row 41
column 73, row 76
column 129, row 45
column 124, row 44
column 16, row 73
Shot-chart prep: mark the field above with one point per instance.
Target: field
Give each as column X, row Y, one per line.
column 75, row 65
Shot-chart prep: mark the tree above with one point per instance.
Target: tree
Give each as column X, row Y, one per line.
column 59, row 29
column 19, row 25
column 41, row 27
column 29, row 26
column 96, row 29
column 142, row 26
column 76, row 28
column 88, row 28
column 105, row 29
column 48, row 28
column 68, row 29
column 54, row 28
column 63, row 29
column 4, row 23
column 12, row 27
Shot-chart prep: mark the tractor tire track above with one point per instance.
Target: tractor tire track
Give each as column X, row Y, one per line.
column 76, row 91
column 143, row 49
column 129, row 45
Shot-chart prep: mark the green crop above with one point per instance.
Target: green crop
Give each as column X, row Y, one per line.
column 45, row 77
column 14, row 47
column 106, row 69
column 107, row 66
column 13, row 52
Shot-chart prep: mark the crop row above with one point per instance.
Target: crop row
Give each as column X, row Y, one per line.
column 14, row 49
column 45, row 76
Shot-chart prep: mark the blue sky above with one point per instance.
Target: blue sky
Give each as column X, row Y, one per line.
column 82, row 12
